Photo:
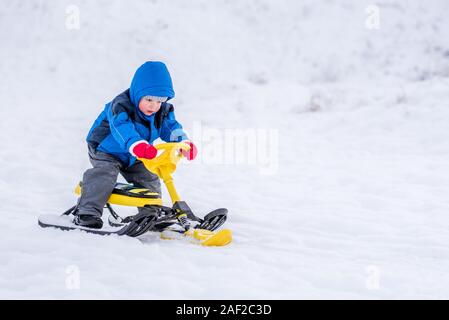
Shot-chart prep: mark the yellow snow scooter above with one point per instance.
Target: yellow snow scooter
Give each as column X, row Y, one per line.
column 176, row 222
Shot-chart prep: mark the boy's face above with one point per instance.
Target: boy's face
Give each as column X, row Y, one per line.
column 148, row 106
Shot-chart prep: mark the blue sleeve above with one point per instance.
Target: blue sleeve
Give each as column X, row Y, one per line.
column 171, row 130
column 123, row 129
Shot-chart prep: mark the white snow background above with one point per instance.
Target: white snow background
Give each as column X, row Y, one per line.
column 355, row 203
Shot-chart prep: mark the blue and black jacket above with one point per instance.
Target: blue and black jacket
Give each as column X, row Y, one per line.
column 121, row 124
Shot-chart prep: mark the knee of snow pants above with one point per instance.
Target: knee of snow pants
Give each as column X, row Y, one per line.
column 98, row 183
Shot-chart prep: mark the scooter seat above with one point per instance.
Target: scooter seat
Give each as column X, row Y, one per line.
column 130, row 195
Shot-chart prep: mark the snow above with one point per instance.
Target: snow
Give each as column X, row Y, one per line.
column 344, row 196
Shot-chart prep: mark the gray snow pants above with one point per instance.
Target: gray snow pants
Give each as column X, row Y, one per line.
column 99, row 181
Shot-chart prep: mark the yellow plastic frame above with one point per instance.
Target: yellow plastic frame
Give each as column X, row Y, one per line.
column 163, row 166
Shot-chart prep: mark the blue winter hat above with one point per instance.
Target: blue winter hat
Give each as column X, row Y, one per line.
column 151, row 79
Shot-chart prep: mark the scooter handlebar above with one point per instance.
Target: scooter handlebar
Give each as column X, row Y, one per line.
column 167, row 160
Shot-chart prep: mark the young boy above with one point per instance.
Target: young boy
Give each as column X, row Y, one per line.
column 124, row 131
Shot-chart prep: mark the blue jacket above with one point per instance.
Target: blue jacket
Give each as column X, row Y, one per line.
column 121, row 123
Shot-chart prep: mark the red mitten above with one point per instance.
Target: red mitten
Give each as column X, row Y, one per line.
column 144, row 150
column 191, row 154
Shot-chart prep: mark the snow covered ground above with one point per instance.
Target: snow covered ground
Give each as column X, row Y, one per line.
column 346, row 194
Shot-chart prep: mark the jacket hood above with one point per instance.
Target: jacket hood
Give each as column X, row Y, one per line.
column 151, row 79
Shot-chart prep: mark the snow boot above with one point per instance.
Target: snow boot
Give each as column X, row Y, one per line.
column 88, row 221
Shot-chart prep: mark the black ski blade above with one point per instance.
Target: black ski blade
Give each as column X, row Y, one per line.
column 213, row 220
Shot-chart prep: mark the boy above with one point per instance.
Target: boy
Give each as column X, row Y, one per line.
column 124, row 131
